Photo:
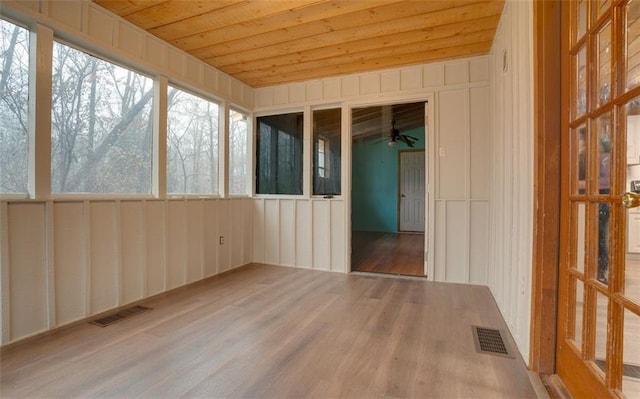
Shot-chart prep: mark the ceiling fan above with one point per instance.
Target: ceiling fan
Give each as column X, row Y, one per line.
column 395, row 137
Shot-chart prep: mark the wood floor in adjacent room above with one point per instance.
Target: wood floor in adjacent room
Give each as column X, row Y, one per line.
column 390, row 253
column 274, row 332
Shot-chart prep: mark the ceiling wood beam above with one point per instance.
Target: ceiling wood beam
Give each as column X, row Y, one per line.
column 375, row 22
column 248, row 61
column 467, row 50
column 233, row 14
column 281, row 21
column 174, row 11
column 377, row 54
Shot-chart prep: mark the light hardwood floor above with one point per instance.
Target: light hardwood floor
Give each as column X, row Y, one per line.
column 274, row 332
column 391, row 253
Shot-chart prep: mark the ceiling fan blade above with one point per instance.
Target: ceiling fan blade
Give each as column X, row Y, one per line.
column 405, row 140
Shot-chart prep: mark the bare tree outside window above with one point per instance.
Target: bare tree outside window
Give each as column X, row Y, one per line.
column 238, row 136
column 192, row 144
column 101, row 125
column 14, row 97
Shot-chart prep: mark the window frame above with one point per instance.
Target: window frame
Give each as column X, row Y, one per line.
column 30, row 150
column 249, row 179
column 323, row 171
column 221, row 132
column 39, row 175
column 344, row 134
column 305, row 151
column 70, row 196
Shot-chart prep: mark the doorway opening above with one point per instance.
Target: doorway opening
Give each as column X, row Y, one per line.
column 388, row 200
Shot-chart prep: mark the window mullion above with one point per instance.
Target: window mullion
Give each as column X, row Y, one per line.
column 223, row 150
column 159, row 165
column 40, row 81
column 307, row 150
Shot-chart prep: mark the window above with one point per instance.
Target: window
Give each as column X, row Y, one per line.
column 279, row 154
column 100, row 125
column 14, row 97
column 326, row 160
column 238, row 136
column 321, row 158
column 192, row 144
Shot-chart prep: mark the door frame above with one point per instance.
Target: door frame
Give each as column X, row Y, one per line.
column 400, row 152
column 347, row 144
column 547, row 99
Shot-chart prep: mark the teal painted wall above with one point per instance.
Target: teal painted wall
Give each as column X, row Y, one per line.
column 374, row 183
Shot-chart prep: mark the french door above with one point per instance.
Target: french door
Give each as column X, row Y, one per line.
column 598, row 347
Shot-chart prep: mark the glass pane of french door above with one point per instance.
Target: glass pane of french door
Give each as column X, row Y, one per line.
column 598, row 352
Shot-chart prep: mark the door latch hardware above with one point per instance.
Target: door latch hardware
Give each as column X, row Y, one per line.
column 631, row 200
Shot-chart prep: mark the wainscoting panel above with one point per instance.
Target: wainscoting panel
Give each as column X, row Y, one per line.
column 133, row 259
column 338, row 239
column 321, row 235
column 247, row 231
column 272, row 231
column 224, row 219
column 440, row 241
column 461, row 241
column 27, row 269
column 156, row 247
column 176, row 244
column 68, row 260
column 235, row 233
column 194, row 243
column 103, row 258
column 479, row 242
column 287, row 232
column 210, row 237
column 306, row 233
column 258, row 230
column 457, row 242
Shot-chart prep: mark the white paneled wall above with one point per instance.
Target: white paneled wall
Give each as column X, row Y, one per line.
column 305, row 233
column 401, row 84
column 63, row 261
column 89, row 25
column 462, row 177
column 511, row 213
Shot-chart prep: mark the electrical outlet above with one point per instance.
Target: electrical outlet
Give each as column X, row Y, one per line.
column 221, row 240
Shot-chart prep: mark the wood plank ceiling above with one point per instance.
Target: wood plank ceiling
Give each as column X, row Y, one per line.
column 268, row 42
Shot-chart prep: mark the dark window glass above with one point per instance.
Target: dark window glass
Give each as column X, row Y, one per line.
column 326, row 152
column 279, row 154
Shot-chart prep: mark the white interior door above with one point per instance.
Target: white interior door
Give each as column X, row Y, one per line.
column 412, row 191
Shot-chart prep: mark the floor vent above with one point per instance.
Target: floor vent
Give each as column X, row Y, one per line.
column 490, row 340
column 123, row 314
